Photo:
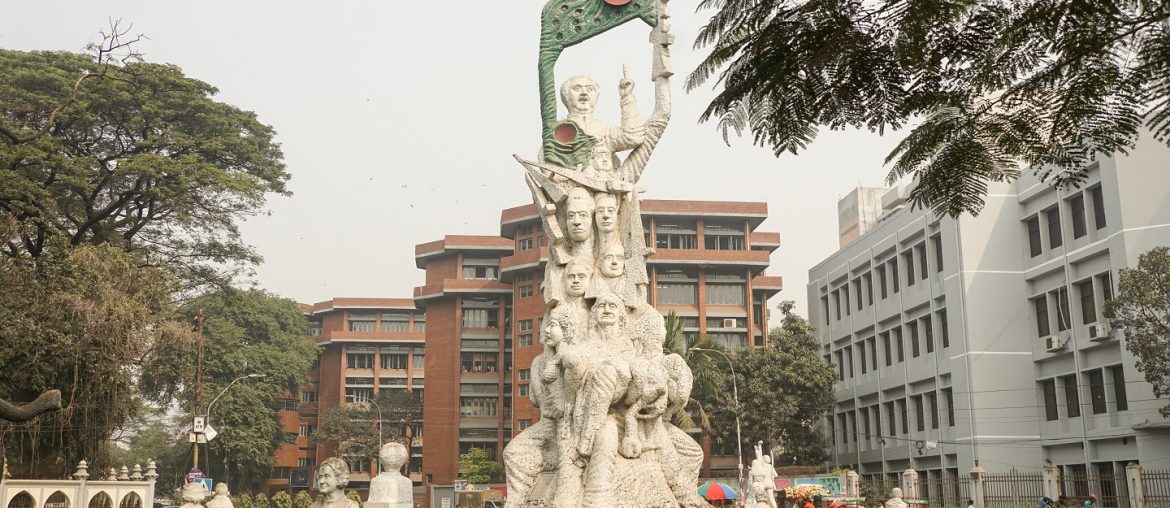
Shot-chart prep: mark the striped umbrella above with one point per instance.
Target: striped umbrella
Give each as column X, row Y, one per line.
column 714, row 491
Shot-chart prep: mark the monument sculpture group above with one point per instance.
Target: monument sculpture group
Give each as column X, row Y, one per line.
column 605, row 389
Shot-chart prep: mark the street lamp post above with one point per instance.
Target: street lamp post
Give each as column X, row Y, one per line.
column 735, row 397
column 207, row 413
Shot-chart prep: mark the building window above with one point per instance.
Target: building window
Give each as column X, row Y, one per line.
column 845, row 297
column 892, row 417
column 905, row 416
column 396, row 361
column 309, row 397
column 306, row 462
column 825, row 308
column 898, row 342
column 932, row 403
column 837, row 305
column 1040, row 304
column 526, row 291
column 676, row 235
column 362, row 321
column 420, row 361
column 919, row 413
column 1048, row 388
column 1097, row 390
column 525, row 374
column 873, row 355
column 524, row 244
column 886, row 345
column 725, row 289
column 677, row 287
column 524, row 424
column 525, row 339
column 839, row 354
column 881, row 272
column 1055, row 239
column 358, row 465
column 307, row 429
column 1098, row 206
column 729, row 340
column 1088, row 303
column 936, row 242
column 949, row 395
column 1118, row 374
column 861, row 356
column 908, row 260
column 359, row 360
column 523, row 390
column 395, row 322
column 420, row 322
column 923, row 268
column 359, row 394
column 314, row 328
column 480, row 318
column 915, row 350
column 1076, row 207
column 479, row 362
column 942, row 328
column 1034, row 236
column 1063, row 319
column 894, row 274
column 525, row 325
column 928, row 334
column 857, row 291
column 868, row 277
column 479, row 406
column 723, row 236
column 1072, row 398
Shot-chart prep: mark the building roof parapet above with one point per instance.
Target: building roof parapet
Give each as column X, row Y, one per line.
column 769, row 284
column 768, row 240
column 754, row 211
column 458, row 287
column 756, row 259
column 456, row 243
column 346, row 303
column 531, row 258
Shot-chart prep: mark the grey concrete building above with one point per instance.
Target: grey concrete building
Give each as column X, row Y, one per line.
column 983, row 338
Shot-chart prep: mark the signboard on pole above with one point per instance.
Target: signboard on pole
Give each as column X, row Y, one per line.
column 209, row 432
column 198, row 424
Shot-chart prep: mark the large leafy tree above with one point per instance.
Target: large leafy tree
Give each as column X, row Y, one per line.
column 476, row 468
column 352, row 429
column 1142, row 311
column 89, row 322
column 245, row 333
column 143, row 159
column 997, row 84
column 785, row 390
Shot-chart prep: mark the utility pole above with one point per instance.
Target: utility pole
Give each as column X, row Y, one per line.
column 197, row 421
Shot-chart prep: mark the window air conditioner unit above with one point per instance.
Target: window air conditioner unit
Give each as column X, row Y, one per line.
column 729, row 323
column 1055, row 343
column 1099, row 332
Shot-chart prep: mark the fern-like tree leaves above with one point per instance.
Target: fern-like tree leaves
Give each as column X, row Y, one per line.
column 998, row 86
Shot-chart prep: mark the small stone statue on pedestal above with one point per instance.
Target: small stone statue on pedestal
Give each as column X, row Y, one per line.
column 192, row 495
column 332, row 478
column 390, row 489
column 895, row 500
column 222, row 499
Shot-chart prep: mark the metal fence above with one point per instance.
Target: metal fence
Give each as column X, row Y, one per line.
column 946, row 490
column 1156, row 485
column 1110, row 488
column 1013, row 489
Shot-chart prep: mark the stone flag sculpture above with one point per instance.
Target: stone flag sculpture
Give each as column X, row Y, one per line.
column 605, row 389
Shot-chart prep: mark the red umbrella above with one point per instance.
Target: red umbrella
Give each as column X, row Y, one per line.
column 714, row 491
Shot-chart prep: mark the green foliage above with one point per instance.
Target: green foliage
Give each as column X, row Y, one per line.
column 1142, row 311
column 245, row 333
column 282, row 500
column 476, row 468
column 784, row 392
column 243, row 500
column 353, row 428
column 145, row 159
column 87, row 321
column 163, row 440
column 352, row 495
column 260, row 501
column 998, row 84
column 302, row 500
column 708, row 368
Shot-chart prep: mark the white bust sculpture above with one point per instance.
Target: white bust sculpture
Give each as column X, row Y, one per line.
column 895, row 500
column 577, row 274
column 606, row 211
column 579, row 214
column 390, row 488
column 222, row 499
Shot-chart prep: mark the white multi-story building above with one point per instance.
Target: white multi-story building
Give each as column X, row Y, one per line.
column 984, row 338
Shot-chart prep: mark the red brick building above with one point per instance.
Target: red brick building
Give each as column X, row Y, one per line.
column 478, row 315
column 368, row 345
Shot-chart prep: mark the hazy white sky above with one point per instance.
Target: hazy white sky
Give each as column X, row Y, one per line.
column 398, row 120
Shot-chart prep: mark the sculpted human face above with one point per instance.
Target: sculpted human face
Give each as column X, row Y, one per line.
column 553, row 334
column 580, row 95
column 605, row 311
column 327, row 480
column 613, row 262
column 606, row 213
column 602, row 158
column 576, row 279
column 580, row 218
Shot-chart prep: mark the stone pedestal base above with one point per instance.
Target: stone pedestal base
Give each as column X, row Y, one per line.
column 377, row 504
column 637, row 482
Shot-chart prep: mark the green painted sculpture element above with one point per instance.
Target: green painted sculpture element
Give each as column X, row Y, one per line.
column 565, row 23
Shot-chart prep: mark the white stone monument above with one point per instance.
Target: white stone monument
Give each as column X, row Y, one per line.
column 222, row 499
column 605, row 389
column 390, row 489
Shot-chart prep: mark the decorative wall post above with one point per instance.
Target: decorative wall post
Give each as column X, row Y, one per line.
column 910, row 483
column 1051, row 476
column 150, row 476
column 1133, row 478
column 978, row 494
column 82, row 475
column 852, row 489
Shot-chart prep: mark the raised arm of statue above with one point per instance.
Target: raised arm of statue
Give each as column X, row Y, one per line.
column 633, row 132
column 660, row 40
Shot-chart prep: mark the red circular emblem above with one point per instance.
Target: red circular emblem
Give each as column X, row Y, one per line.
column 565, row 133
column 617, row 2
